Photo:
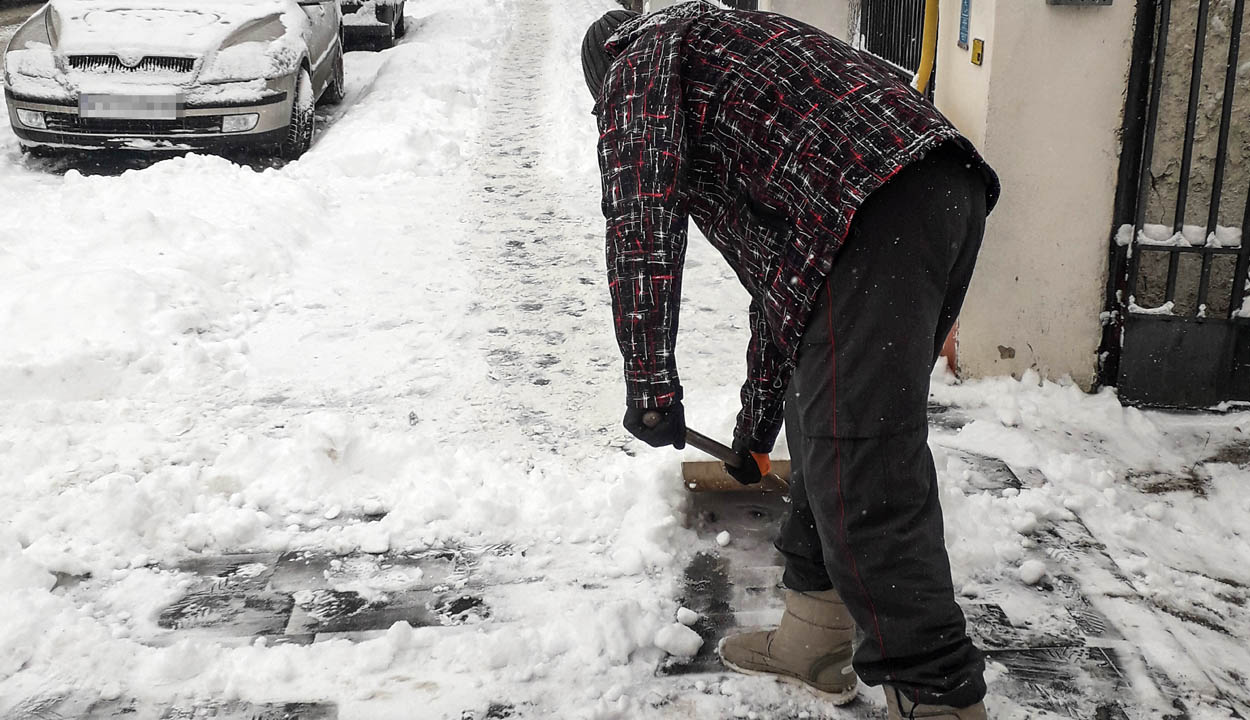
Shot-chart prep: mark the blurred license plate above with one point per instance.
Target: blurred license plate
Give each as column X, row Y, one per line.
column 130, row 107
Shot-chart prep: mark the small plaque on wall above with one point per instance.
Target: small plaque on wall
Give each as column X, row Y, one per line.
column 964, row 11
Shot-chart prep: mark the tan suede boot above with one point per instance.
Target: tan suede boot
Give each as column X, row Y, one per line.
column 899, row 707
column 812, row 647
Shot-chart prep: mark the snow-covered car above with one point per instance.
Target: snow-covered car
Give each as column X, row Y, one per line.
column 372, row 22
column 174, row 74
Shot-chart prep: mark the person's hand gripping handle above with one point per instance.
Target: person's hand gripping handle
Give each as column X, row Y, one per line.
column 746, row 467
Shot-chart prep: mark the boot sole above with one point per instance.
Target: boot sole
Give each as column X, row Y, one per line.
column 837, row 698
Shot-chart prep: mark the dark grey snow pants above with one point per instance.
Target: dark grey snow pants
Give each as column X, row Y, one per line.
column 864, row 516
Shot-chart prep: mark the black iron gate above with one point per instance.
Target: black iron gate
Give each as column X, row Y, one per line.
column 1177, row 326
column 893, row 30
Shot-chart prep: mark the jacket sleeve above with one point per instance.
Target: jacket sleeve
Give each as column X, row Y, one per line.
column 642, row 159
column 764, row 392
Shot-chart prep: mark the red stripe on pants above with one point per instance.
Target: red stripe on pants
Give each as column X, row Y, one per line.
column 837, row 475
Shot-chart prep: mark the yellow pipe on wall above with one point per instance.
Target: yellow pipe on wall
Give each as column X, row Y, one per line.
column 928, row 51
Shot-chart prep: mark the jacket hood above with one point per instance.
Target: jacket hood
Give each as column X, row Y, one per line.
column 631, row 30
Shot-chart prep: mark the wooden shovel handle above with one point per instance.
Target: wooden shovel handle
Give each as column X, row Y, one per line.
column 721, row 452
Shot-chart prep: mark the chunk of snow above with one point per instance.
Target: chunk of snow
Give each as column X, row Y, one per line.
column 1032, row 571
column 679, row 640
column 687, row 617
column 1228, row 237
column 1164, row 309
column 1024, row 524
column 17, row 572
column 375, row 540
column 723, row 538
column 1124, row 235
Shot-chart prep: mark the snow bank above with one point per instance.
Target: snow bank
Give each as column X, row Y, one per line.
column 111, row 280
column 209, row 358
column 429, row 109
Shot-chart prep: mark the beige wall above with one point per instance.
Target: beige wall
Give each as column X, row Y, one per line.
column 963, row 89
column 1045, row 108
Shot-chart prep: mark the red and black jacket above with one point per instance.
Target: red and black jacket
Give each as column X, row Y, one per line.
column 769, row 134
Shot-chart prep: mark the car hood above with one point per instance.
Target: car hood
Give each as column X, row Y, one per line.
column 154, row 27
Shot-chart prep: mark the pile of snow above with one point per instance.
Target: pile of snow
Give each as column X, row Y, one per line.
column 116, row 283
column 206, row 358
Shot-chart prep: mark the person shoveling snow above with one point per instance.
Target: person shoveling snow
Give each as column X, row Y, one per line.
column 852, row 212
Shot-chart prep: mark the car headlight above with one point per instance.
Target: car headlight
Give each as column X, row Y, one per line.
column 253, row 52
column 33, row 32
column 32, row 119
column 29, row 52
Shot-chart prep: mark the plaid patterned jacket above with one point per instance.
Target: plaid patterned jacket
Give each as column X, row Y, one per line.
column 769, row 134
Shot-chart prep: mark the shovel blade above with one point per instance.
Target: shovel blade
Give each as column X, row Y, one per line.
column 710, row 476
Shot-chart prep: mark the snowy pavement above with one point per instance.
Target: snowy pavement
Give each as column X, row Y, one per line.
column 340, row 439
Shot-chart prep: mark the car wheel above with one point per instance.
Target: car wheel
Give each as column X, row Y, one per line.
column 336, row 89
column 299, row 132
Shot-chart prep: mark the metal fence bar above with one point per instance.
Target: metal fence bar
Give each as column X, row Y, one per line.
column 909, row 46
column 1148, row 146
column 1226, row 114
column 1193, row 250
column 907, row 40
column 891, row 32
column 870, row 24
column 1115, row 297
column 883, row 29
column 888, row 32
column 877, row 21
column 1191, row 117
column 917, row 41
column 1174, row 264
column 1243, row 259
column 900, row 27
column 905, row 43
column 1204, row 284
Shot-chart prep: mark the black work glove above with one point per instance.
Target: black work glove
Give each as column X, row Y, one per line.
column 670, row 430
column 748, row 470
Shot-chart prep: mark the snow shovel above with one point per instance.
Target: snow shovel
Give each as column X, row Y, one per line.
column 709, row 476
